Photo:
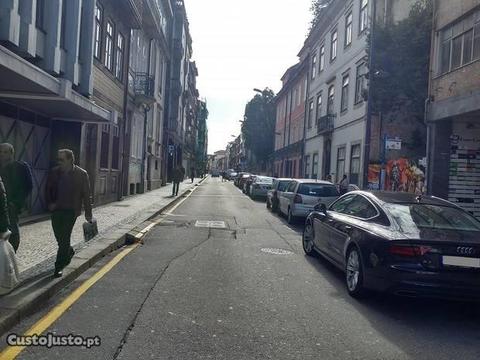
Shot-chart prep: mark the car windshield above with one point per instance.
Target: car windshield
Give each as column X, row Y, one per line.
column 282, row 186
column 427, row 216
column 264, row 180
column 322, row 190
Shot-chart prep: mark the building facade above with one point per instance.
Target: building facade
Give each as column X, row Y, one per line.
column 289, row 125
column 453, row 117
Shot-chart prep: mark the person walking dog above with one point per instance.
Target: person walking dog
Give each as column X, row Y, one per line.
column 68, row 188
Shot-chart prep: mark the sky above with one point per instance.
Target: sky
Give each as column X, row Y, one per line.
column 239, row 45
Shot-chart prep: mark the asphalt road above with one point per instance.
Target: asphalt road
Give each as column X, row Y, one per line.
column 192, row 292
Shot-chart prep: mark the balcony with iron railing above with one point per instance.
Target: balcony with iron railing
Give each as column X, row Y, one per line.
column 325, row 124
column 144, row 88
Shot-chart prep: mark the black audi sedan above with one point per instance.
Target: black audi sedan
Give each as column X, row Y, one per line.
column 398, row 243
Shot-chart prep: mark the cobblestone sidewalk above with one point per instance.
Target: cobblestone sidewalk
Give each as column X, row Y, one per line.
column 38, row 247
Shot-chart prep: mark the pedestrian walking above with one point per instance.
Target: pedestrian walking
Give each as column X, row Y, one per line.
column 192, row 173
column 4, row 218
column 329, row 178
column 68, row 188
column 17, row 179
column 343, row 185
column 178, row 175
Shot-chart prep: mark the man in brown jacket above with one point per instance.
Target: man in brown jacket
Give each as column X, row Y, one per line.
column 68, row 188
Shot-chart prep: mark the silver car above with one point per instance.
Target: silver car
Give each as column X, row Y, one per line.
column 302, row 195
column 260, row 186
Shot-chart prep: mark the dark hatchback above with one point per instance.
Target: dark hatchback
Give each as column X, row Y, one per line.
column 398, row 243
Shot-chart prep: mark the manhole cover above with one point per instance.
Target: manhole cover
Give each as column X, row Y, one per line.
column 276, row 251
column 210, row 224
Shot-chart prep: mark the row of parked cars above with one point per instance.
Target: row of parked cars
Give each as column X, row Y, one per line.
column 395, row 242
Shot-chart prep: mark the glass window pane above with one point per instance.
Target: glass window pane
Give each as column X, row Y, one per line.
column 476, row 42
column 445, row 61
column 456, row 52
column 467, row 47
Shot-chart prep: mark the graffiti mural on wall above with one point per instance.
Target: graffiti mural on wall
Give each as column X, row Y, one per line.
column 404, row 175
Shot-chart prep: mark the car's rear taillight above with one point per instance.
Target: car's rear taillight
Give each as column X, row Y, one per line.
column 408, row 250
column 297, row 199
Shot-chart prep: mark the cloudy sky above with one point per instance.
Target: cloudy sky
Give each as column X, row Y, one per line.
column 238, row 46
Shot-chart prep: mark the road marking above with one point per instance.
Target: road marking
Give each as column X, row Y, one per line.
column 53, row 315
column 44, row 323
column 210, row 224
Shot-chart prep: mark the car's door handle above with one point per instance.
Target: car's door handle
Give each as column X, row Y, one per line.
column 348, row 228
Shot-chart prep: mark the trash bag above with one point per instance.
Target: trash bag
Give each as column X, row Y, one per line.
column 8, row 265
column 90, row 229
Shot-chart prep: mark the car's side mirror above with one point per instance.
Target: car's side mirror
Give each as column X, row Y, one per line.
column 320, row 207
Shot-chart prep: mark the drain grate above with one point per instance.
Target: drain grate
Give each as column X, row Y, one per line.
column 274, row 251
column 210, row 224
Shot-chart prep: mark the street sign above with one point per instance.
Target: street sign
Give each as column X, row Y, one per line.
column 393, row 144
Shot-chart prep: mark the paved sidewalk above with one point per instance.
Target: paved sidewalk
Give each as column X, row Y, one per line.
column 38, row 247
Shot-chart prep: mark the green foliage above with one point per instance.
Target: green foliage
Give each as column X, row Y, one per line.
column 401, row 62
column 259, row 125
column 316, row 8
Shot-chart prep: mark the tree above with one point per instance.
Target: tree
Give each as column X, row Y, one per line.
column 316, row 8
column 258, row 127
column 401, row 63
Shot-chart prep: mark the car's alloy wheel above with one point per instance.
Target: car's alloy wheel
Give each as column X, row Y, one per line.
column 354, row 273
column 307, row 239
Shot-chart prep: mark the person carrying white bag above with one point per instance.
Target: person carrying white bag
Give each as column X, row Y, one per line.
column 8, row 260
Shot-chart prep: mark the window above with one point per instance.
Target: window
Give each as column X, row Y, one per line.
column 315, row 166
column 355, row 164
column 344, row 100
column 320, row 190
column 314, row 66
column 291, row 186
column 361, row 208
column 331, row 99
column 319, row 106
column 460, row 43
column 310, row 114
column 120, row 51
column 359, row 83
column 108, row 61
column 340, row 162
column 363, row 15
column 348, row 29
column 98, row 32
column 322, row 58
column 340, row 205
column 63, row 26
column 282, row 186
column 333, row 47
column 40, row 15
column 307, row 166
column 105, row 145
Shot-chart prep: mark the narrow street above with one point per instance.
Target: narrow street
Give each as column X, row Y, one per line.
column 195, row 292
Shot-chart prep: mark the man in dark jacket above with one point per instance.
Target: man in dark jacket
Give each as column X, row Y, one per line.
column 68, row 188
column 178, row 174
column 17, row 179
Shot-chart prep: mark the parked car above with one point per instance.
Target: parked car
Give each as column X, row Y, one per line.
column 260, row 186
column 278, row 187
column 231, row 175
column 215, row 173
column 400, row 243
column 248, row 183
column 242, row 179
column 303, row 194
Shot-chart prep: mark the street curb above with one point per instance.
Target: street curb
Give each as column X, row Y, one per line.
column 29, row 297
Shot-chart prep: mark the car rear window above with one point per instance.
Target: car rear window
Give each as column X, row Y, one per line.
column 427, row 216
column 282, row 186
column 264, row 180
column 321, row 190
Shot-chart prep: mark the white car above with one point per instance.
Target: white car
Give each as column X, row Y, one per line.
column 301, row 196
column 260, row 186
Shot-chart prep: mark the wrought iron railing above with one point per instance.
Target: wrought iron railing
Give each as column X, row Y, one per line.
column 325, row 124
column 144, row 85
